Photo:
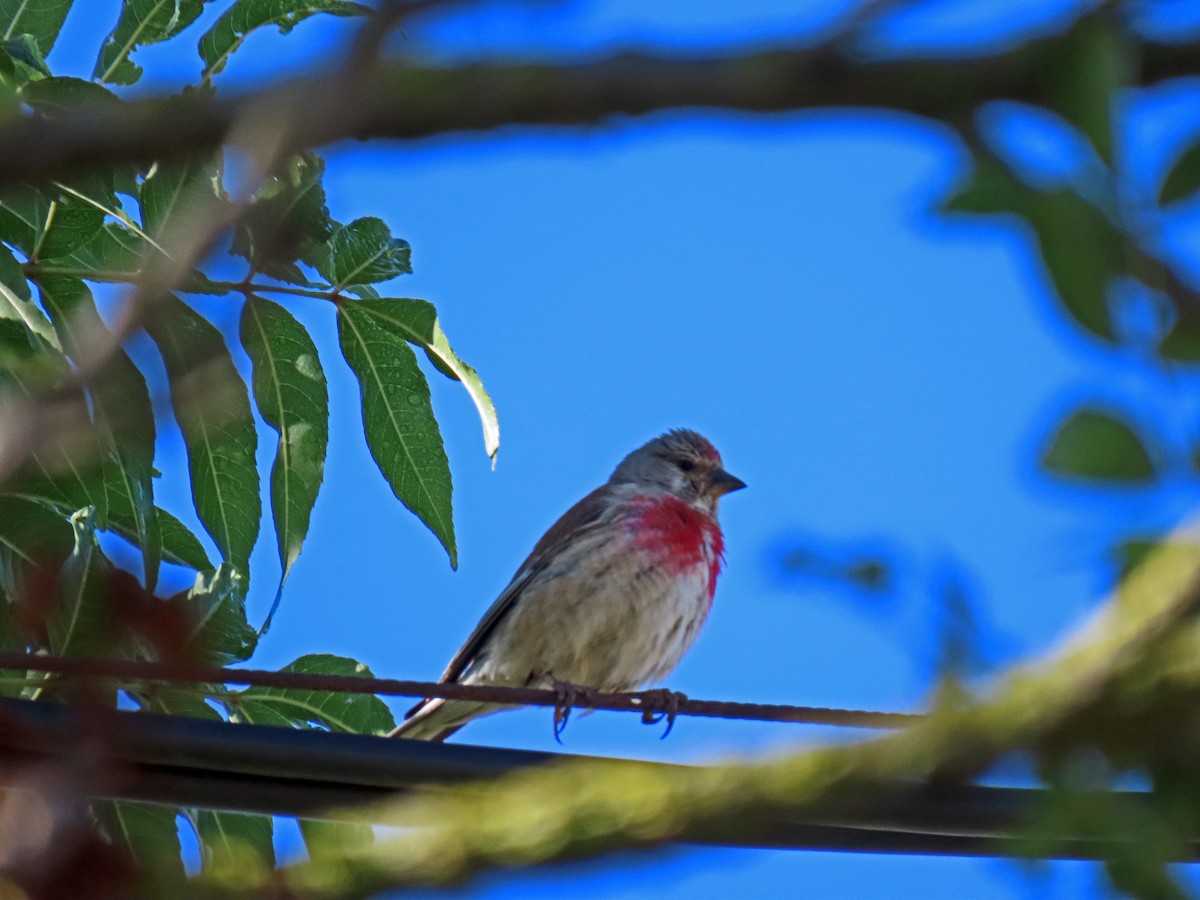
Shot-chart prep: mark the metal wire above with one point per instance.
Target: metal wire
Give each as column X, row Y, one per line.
column 648, row 703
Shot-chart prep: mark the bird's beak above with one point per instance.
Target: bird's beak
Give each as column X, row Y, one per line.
column 721, row 483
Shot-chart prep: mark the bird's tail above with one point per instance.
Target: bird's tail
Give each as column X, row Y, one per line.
column 436, row 720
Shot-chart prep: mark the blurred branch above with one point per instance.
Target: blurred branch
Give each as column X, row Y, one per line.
column 406, row 102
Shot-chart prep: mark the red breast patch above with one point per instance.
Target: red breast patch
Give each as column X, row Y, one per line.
column 678, row 536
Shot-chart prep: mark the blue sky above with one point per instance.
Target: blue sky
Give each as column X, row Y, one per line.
column 878, row 375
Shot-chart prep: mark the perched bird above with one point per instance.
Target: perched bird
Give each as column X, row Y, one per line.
column 613, row 594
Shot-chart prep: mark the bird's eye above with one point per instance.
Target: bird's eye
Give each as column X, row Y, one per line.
column 685, row 465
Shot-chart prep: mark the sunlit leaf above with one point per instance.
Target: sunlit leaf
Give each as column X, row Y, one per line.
column 289, row 388
column 363, row 252
column 16, row 302
column 213, row 410
column 40, row 19
column 142, row 22
column 228, row 32
column 416, row 321
column 1098, row 445
column 398, row 419
column 149, row 832
column 357, row 713
column 324, row 838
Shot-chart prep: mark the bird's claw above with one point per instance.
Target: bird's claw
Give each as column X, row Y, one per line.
column 565, row 695
column 660, row 704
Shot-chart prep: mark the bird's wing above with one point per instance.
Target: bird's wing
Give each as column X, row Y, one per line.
column 588, row 513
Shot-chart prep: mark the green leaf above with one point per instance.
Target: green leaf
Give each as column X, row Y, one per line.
column 1097, row 445
column 142, row 22
column 417, row 321
column 114, row 254
column 150, row 833
column 80, row 623
column 213, row 410
column 286, row 221
column 46, row 226
column 61, row 95
column 24, row 62
column 16, row 303
column 1080, row 248
column 357, row 713
column 179, row 545
column 1183, row 180
column 40, row 19
column 174, row 191
column 1089, row 67
column 363, row 252
column 124, row 413
column 289, row 388
column 398, row 420
column 233, row 842
column 215, row 604
column 228, row 32
column 335, row 840
column 34, row 543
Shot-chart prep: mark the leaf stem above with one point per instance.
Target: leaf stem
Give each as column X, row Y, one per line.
column 33, row 270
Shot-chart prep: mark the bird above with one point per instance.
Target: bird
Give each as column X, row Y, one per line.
column 613, row 594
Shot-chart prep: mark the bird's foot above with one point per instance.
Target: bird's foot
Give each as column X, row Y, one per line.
column 566, row 693
column 660, row 704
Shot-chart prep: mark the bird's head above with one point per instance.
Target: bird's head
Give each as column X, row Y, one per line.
column 683, row 463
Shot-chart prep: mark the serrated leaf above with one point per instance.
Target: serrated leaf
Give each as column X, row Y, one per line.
column 150, row 833
column 417, row 321
column 1098, row 445
column 216, row 606
column 398, row 419
column 363, row 252
column 357, row 713
column 175, row 191
column 286, row 221
column 40, row 19
column 142, row 22
column 1063, row 223
column 80, row 624
column 289, row 388
column 16, row 302
column 232, row 842
column 1183, row 179
column 213, row 410
column 124, row 414
column 228, row 32
column 45, row 226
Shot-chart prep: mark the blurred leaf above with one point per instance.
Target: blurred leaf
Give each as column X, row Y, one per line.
column 149, row 832
column 230, row 842
column 1183, row 179
column 1064, row 224
column 398, row 420
column 417, row 321
column 289, row 387
column 45, row 226
column 16, row 302
column 213, row 410
column 1130, row 553
column 228, row 32
column 175, row 191
column 337, row 840
column 1088, row 69
column 142, row 22
column 216, row 605
column 40, row 19
column 286, row 221
column 80, row 624
column 124, row 413
column 357, row 713
column 1095, row 444
column 362, row 252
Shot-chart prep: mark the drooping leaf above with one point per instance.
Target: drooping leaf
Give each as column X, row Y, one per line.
column 417, row 321
column 1093, row 63
column 46, row 226
column 398, row 420
column 362, row 252
column 357, row 713
column 289, row 388
column 17, row 304
column 174, row 191
column 34, row 543
column 124, row 414
column 213, row 410
column 1096, row 444
column 40, row 19
column 286, row 221
column 216, row 606
column 1063, row 223
column 179, row 545
column 1183, row 179
column 142, row 22
column 150, row 833
column 228, row 32
column 80, row 623
column 232, row 842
